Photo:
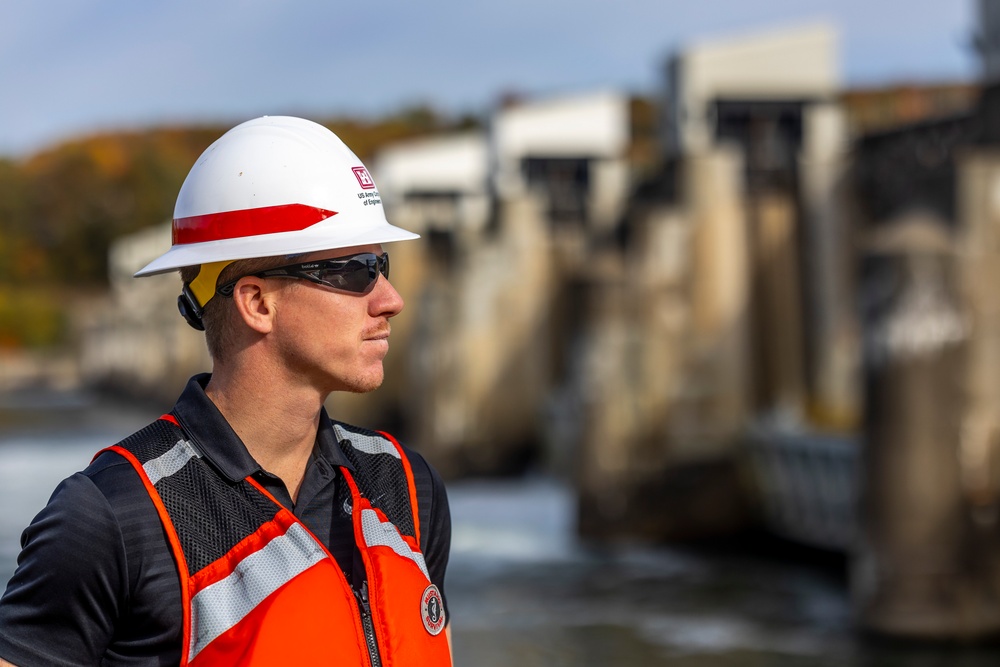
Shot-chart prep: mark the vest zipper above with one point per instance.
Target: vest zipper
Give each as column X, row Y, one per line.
column 368, row 624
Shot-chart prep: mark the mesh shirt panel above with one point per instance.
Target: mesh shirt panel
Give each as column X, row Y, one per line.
column 210, row 514
column 383, row 473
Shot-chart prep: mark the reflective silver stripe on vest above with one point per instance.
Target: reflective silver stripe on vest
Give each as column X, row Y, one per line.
column 383, row 534
column 366, row 443
column 168, row 463
column 217, row 608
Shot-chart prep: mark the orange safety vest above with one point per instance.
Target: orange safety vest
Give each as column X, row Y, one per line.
column 258, row 588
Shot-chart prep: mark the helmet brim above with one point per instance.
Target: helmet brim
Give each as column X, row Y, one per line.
column 279, row 244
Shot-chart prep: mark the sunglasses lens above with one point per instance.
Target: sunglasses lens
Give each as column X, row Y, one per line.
column 351, row 274
column 357, row 274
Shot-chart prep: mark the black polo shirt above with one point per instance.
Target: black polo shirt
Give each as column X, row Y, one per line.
column 96, row 582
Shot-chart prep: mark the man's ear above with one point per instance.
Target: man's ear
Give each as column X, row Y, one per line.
column 255, row 303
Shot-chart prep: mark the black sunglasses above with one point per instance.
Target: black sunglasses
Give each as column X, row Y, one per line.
column 356, row 273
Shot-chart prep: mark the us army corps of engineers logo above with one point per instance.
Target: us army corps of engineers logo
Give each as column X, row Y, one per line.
column 432, row 610
column 364, row 178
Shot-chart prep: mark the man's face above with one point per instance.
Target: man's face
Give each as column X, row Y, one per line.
column 335, row 340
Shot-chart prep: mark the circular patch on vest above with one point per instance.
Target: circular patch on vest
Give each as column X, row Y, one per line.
column 432, row 610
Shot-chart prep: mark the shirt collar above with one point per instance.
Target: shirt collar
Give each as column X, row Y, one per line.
column 212, row 435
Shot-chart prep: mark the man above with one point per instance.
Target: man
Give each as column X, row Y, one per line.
column 245, row 527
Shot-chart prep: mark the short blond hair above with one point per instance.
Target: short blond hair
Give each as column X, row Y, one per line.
column 219, row 314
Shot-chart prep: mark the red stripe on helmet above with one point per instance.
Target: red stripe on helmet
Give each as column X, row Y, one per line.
column 247, row 222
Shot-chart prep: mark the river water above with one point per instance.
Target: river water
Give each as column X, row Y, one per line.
column 522, row 591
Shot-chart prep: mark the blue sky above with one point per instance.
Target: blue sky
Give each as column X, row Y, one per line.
column 71, row 66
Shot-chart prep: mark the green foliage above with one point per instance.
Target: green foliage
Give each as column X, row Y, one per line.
column 31, row 318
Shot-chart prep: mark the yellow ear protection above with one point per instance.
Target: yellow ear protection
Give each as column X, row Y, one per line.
column 198, row 292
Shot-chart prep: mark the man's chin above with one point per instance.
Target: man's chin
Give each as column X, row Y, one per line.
column 363, row 385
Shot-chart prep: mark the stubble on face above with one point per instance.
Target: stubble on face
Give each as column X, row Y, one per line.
column 338, row 340
column 374, row 346
column 336, row 356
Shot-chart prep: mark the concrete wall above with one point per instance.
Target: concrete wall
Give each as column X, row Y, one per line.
column 443, row 182
column 979, row 247
column 798, row 63
column 478, row 370
column 593, row 126
column 926, row 565
column 832, row 349
column 665, row 379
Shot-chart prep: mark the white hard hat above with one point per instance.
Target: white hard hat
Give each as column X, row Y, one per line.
column 275, row 185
